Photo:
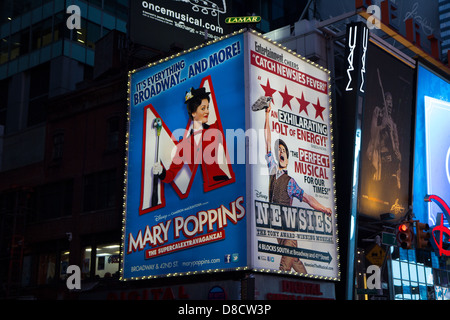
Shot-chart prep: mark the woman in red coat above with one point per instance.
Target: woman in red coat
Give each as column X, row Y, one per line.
column 201, row 145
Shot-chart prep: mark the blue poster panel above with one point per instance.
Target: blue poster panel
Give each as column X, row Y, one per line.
column 432, row 145
column 184, row 207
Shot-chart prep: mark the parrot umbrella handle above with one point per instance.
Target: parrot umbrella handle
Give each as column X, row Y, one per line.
column 157, row 123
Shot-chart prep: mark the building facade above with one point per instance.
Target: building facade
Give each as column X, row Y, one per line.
column 41, row 58
column 63, row 127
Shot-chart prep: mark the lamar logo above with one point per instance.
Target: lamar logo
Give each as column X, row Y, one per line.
column 248, row 19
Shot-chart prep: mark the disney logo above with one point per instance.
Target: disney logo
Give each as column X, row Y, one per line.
column 160, row 217
column 260, row 195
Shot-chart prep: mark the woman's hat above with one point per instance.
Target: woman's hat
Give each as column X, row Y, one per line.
column 199, row 93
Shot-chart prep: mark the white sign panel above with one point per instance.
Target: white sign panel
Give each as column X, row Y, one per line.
column 292, row 185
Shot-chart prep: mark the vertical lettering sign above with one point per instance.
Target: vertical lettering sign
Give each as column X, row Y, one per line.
column 356, row 49
column 292, row 174
column 350, row 137
column 356, row 56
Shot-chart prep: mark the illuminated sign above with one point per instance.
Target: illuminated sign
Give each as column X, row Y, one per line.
column 354, row 40
column 281, row 288
column 248, row 19
column 437, row 115
column 158, row 24
column 431, row 151
column 292, row 174
column 196, row 198
column 185, row 209
column 440, row 233
column 386, row 143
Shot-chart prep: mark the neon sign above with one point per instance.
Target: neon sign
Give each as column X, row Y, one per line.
column 443, row 233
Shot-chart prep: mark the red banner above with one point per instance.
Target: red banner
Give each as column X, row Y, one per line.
column 281, row 70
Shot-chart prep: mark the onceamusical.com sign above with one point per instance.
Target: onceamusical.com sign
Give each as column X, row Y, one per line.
column 159, row 24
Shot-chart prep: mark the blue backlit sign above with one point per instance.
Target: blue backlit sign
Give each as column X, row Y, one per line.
column 432, row 144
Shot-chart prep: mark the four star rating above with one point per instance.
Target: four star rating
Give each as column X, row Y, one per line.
column 287, row 98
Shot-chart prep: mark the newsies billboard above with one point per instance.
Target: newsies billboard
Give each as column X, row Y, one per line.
column 195, row 195
column 292, row 198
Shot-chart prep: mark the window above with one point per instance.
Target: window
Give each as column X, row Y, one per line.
column 60, row 29
column 52, row 266
column 414, row 275
column 116, row 8
column 4, row 50
column 93, row 34
column 88, row 34
column 26, row 270
column 41, row 34
column 86, row 262
column 13, row 9
column 106, row 258
column 19, row 43
column 99, row 190
column 64, row 264
column 4, row 87
column 46, row 270
column 54, row 200
column 39, row 88
column 97, row 3
column 79, row 35
column 112, row 134
column 58, row 146
column 36, row 111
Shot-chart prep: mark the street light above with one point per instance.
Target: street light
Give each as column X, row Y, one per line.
column 405, row 235
column 422, row 236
